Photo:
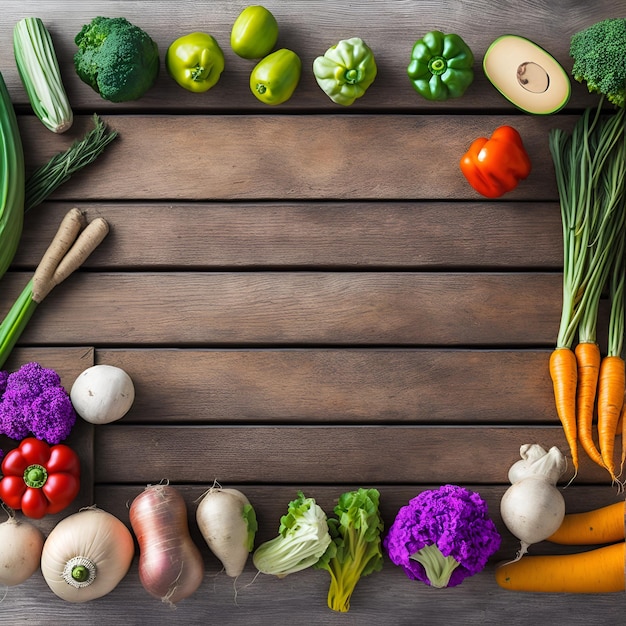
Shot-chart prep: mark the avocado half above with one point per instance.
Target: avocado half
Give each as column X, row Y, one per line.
column 526, row 75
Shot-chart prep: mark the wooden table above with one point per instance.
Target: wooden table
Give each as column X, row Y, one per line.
column 308, row 297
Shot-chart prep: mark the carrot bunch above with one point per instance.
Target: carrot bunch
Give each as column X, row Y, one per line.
column 590, row 166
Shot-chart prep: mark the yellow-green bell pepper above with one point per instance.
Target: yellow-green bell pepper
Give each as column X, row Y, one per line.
column 275, row 77
column 254, row 33
column 346, row 70
column 195, row 61
column 441, row 66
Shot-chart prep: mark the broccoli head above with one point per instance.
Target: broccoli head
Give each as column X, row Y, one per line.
column 117, row 59
column 599, row 54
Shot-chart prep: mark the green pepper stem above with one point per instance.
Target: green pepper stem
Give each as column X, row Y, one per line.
column 437, row 66
column 202, row 69
column 35, row 476
column 352, row 76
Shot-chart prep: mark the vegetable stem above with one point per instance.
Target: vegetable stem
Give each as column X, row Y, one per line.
column 35, row 476
column 438, row 568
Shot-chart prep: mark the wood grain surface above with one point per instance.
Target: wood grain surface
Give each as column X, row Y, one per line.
column 310, row 297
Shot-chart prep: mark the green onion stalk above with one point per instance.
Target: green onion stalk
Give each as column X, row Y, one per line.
column 15, row 322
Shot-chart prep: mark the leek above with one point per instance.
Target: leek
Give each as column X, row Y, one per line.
column 12, row 177
column 39, row 70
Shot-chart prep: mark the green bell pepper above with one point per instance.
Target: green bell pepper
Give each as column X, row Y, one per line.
column 195, row 61
column 441, row 66
column 254, row 33
column 275, row 77
column 346, row 70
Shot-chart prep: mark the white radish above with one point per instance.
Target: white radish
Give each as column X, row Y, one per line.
column 21, row 544
column 532, row 508
column 228, row 524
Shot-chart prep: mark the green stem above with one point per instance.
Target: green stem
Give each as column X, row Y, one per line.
column 15, row 321
column 80, row 573
column 352, row 76
column 589, row 166
column 437, row 65
column 35, row 476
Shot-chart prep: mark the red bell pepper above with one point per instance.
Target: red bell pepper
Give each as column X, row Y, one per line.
column 40, row 479
column 495, row 166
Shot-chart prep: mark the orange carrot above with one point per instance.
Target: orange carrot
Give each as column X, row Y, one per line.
column 564, row 374
column 621, row 428
column 610, row 403
column 603, row 525
column 588, row 363
column 596, row 571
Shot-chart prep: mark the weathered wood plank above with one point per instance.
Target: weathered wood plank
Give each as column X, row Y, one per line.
column 364, row 308
column 291, row 157
column 302, row 455
column 390, row 28
column 349, row 386
column 438, row 235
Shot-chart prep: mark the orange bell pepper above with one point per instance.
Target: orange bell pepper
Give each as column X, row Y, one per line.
column 495, row 166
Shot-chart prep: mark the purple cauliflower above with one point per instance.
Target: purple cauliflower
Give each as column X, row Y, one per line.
column 442, row 536
column 34, row 401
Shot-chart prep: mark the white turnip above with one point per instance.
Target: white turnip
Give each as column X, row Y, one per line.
column 21, row 544
column 532, row 508
column 228, row 524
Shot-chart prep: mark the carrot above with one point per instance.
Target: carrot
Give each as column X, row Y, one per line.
column 596, row 571
column 621, row 428
column 610, row 403
column 588, row 364
column 590, row 170
column 564, row 374
column 603, row 525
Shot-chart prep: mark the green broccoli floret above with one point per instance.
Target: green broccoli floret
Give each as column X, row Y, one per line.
column 599, row 54
column 117, row 59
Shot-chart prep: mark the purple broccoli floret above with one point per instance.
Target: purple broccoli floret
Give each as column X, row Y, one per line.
column 3, row 381
column 442, row 536
column 34, row 401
